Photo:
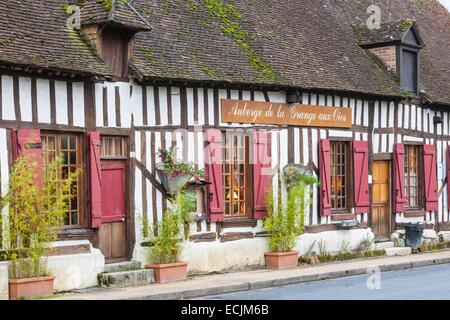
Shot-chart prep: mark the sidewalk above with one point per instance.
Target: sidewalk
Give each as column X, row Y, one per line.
column 244, row 281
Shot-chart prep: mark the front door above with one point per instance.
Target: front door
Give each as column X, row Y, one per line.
column 112, row 233
column 381, row 215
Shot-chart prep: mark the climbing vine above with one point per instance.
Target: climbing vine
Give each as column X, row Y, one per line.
column 229, row 18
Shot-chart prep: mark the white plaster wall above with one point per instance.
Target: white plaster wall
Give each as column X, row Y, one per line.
column 4, row 294
column 76, row 271
column 333, row 240
column 207, row 257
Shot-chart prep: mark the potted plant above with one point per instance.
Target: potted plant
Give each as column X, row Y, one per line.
column 174, row 173
column 167, row 246
column 36, row 210
column 285, row 220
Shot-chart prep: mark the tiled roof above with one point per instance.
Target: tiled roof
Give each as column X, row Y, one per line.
column 34, row 33
column 308, row 44
column 120, row 12
column 299, row 43
column 392, row 31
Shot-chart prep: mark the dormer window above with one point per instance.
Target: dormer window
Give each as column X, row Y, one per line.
column 408, row 69
column 397, row 46
column 115, row 50
column 409, row 65
column 109, row 32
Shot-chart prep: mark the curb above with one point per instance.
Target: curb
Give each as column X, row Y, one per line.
column 263, row 284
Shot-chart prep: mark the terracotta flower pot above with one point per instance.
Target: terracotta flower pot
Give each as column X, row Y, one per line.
column 281, row 260
column 169, row 272
column 31, row 287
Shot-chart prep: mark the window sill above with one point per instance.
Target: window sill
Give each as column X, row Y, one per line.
column 414, row 213
column 233, row 222
column 342, row 216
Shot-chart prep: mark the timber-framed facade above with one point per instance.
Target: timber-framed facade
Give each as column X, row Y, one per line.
column 121, row 101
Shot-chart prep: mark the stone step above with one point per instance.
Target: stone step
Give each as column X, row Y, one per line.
column 123, row 279
column 385, row 245
column 398, row 251
column 122, row 266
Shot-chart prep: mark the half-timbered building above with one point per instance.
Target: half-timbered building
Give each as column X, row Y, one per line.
column 203, row 76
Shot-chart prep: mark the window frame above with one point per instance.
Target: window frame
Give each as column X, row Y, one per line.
column 247, row 176
column 415, row 51
column 348, row 174
column 125, row 147
column 81, row 183
column 420, row 178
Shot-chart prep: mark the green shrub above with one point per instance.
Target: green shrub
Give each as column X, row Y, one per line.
column 35, row 213
column 167, row 246
column 285, row 219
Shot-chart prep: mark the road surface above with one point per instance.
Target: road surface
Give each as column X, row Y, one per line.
column 431, row 282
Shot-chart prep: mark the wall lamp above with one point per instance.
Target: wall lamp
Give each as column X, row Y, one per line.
column 437, row 119
column 292, row 96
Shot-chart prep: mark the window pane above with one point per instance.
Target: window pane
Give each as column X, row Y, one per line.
column 234, row 170
column 65, row 146
column 412, row 175
column 339, row 165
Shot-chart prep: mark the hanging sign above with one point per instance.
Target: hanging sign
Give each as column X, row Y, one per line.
column 256, row 112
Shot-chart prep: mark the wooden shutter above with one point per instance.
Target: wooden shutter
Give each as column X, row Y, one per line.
column 429, row 163
column 213, row 168
column 325, row 177
column 95, row 180
column 113, row 192
column 399, row 178
column 262, row 173
column 361, row 176
column 27, row 142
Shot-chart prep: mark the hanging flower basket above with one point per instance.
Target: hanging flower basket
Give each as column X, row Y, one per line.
column 172, row 182
column 175, row 174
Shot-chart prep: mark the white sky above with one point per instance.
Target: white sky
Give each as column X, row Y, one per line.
column 446, row 4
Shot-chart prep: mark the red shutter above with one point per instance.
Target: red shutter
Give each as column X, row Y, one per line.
column 399, row 178
column 213, row 168
column 429, row 163
column 262, row 173
column 95, row 180
column 325, row 177
column 27, row 142
column 361, row 176
column 448, row 175
column 113, row 192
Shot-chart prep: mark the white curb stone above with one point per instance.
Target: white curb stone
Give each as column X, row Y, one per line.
column 398, row 251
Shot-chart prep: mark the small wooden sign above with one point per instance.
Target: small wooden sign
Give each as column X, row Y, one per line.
column 255, row 112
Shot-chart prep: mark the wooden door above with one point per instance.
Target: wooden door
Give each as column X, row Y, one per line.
column 112, row 233
column 381, row 214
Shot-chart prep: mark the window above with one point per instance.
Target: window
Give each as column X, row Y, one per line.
column 68, row 147
column 340, row 164
column 115, row 50
column 412, row 175
column 235, row 170
column 113, row 148
column 409, row 70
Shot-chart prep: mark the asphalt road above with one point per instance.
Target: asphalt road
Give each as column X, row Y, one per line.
column 431, row 282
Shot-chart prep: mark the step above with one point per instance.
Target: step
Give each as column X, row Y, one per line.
column 398, row 251
column 123, row 279
column 385, row 245
column 122, row 266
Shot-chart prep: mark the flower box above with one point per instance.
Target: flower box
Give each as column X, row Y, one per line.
column 281, row 260
column 169, row 272
column 31, row 287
